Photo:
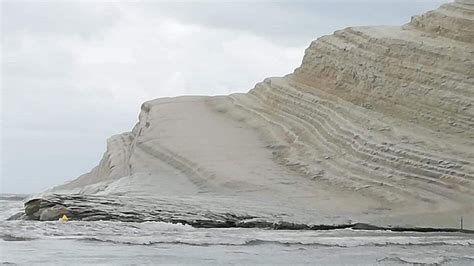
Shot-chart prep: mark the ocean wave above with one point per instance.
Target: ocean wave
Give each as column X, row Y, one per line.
column 9, row 237
column 427, row 260
column 255, row 242
column 344, row 244
column 9, row 208
column 160, row 233
column 13, row 197
column 148, row 243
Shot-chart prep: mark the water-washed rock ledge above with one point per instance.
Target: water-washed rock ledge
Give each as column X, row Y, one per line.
column 106, row 208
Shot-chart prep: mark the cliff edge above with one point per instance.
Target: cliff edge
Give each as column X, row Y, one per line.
column 376, row 126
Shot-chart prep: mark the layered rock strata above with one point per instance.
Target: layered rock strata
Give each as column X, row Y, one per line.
column 376, row 125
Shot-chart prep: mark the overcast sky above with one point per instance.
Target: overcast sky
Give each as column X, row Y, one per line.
column 74, row 73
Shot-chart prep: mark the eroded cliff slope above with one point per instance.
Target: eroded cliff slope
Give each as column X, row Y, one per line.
column 376, row 125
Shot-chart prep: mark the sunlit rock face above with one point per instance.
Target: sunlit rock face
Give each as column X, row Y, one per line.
column 376, row 125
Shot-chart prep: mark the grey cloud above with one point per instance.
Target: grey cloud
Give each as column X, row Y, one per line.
column 57, row 17
column 291, row 22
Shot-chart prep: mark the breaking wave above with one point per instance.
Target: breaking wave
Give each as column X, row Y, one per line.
column 9, row 237
column 427, row 261
column 342, row 242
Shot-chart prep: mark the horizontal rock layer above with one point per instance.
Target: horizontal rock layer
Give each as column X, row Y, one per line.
column 103, row 208
column 376, row 125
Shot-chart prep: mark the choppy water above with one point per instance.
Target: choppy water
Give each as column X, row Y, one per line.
column 119, row 243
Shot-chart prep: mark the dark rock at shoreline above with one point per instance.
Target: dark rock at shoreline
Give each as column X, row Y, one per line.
column 123, row 209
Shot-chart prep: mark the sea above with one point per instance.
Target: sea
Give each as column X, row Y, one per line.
column 152, row 243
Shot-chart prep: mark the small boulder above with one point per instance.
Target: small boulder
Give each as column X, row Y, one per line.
column 53, row 213
column 32, row 207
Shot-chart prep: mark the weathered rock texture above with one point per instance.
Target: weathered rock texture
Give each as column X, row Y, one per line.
column 183, row 211
column 376, row 125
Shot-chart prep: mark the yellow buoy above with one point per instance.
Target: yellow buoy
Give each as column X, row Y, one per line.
column 64, row 219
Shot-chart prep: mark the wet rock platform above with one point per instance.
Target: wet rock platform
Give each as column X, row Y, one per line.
column 126, row 209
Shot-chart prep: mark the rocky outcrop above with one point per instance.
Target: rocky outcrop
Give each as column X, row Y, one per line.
column 376, row 125
column 103, row 208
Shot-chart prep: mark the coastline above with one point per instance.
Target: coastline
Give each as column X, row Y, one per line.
column 99, row 208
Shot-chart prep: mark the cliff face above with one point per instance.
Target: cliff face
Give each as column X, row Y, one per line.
column 376, row 122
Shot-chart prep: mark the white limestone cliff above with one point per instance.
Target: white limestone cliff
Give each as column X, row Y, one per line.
column 377, row 125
